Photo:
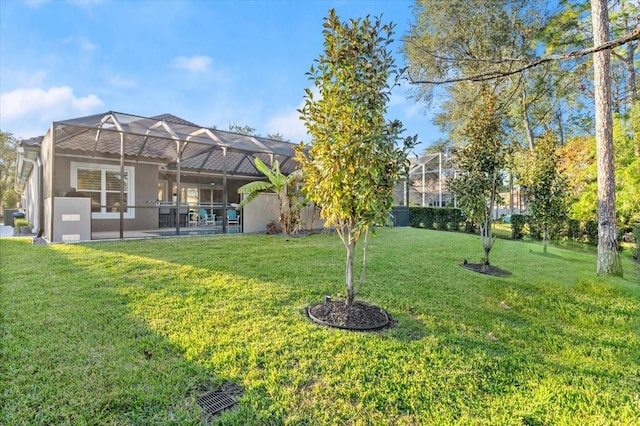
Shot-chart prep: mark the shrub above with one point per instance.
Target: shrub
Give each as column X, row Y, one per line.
column 428, row 217
column 591, row 231
column 517, row 226
column 573, row 230
column 469, row 227
column 19, row 222
column 456, row 217
column 535, row 228
column 441, row 217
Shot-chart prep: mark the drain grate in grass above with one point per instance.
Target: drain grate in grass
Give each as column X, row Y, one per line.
column 213, row 403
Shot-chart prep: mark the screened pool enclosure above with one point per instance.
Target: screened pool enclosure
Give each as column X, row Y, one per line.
column 140, row 174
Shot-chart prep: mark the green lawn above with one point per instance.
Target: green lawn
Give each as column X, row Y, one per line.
column 118, row 333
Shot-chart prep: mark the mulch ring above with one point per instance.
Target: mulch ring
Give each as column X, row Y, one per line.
column 486, row 269
column 361, row 316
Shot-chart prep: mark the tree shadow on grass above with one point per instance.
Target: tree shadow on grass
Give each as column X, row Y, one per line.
column 517, row 347
column 547, row 255
column 70, row 335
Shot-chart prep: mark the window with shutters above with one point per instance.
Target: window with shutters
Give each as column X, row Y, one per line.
column 102, row 183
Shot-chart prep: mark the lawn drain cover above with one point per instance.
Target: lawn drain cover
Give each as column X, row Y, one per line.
column 215, row 402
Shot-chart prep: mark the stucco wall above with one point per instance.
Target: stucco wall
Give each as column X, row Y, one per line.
column 146, row 189
column 264, row 209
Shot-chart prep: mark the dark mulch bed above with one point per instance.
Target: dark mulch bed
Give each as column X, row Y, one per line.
column 486, row 269
column 361, row 316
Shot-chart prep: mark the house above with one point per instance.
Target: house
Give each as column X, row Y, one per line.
column 116, row 173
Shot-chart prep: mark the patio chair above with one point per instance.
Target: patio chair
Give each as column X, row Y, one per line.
column 205, row 219
column 193, row 218
column 233, row 218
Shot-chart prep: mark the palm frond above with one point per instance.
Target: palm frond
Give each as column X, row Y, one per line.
column 248, row 199
column 256, row 186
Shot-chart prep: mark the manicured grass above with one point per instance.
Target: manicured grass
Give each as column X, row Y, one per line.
column 131, row 332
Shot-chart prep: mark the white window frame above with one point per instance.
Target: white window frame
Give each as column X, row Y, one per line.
column 131, row 211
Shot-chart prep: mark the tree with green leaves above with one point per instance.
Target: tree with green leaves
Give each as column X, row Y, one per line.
column 479, row 164
column 457, row 38
column 469, row 45
column 8, row 158
column 354, row 158
column 578, row 161
column 546, row 187
column 280, row 184
column 242, row 130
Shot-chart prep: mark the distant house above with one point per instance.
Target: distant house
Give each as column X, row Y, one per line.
column 116, row 173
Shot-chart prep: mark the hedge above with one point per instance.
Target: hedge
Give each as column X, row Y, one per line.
column 453, row 219
column 442, row 218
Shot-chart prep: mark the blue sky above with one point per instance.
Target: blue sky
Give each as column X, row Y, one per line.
column 210, row 62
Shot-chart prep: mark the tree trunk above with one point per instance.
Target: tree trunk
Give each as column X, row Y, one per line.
column 630, row 63
column 633, row 90
column 351, row 248
column 544, row 238
column 608, row 256
column 285, row 212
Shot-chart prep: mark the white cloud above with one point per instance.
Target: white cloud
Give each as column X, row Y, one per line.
column 54, row 103
column 193, row 64
column 83, row 43
column 122, row 82
column 86, row 45
column 290, row 125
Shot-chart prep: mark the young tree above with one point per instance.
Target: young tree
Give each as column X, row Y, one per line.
column 8, row 157
column 353, row 161
column 279, row 183
column 546, row 187
column 479, row 164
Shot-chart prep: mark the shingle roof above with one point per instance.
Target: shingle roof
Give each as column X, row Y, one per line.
column 173, row 119
column 35, row 141
column 154, row 139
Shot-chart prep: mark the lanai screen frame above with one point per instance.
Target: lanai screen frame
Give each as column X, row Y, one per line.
column 178, row 145
column 437, row 166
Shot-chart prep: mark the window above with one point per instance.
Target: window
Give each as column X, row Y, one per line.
column 102, row 183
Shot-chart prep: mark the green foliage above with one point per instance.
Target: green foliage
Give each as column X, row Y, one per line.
column 591, row 232
column 8, row 158
column 242, row 130
column 454, row 39
column 280, row 184
column 573, row 230
column 545, row 186
column 19, row 222
column 578, row 160
column 353, row 161
column 456, row 217
column 518, row 222
column 444, row 217
column 480, row 164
